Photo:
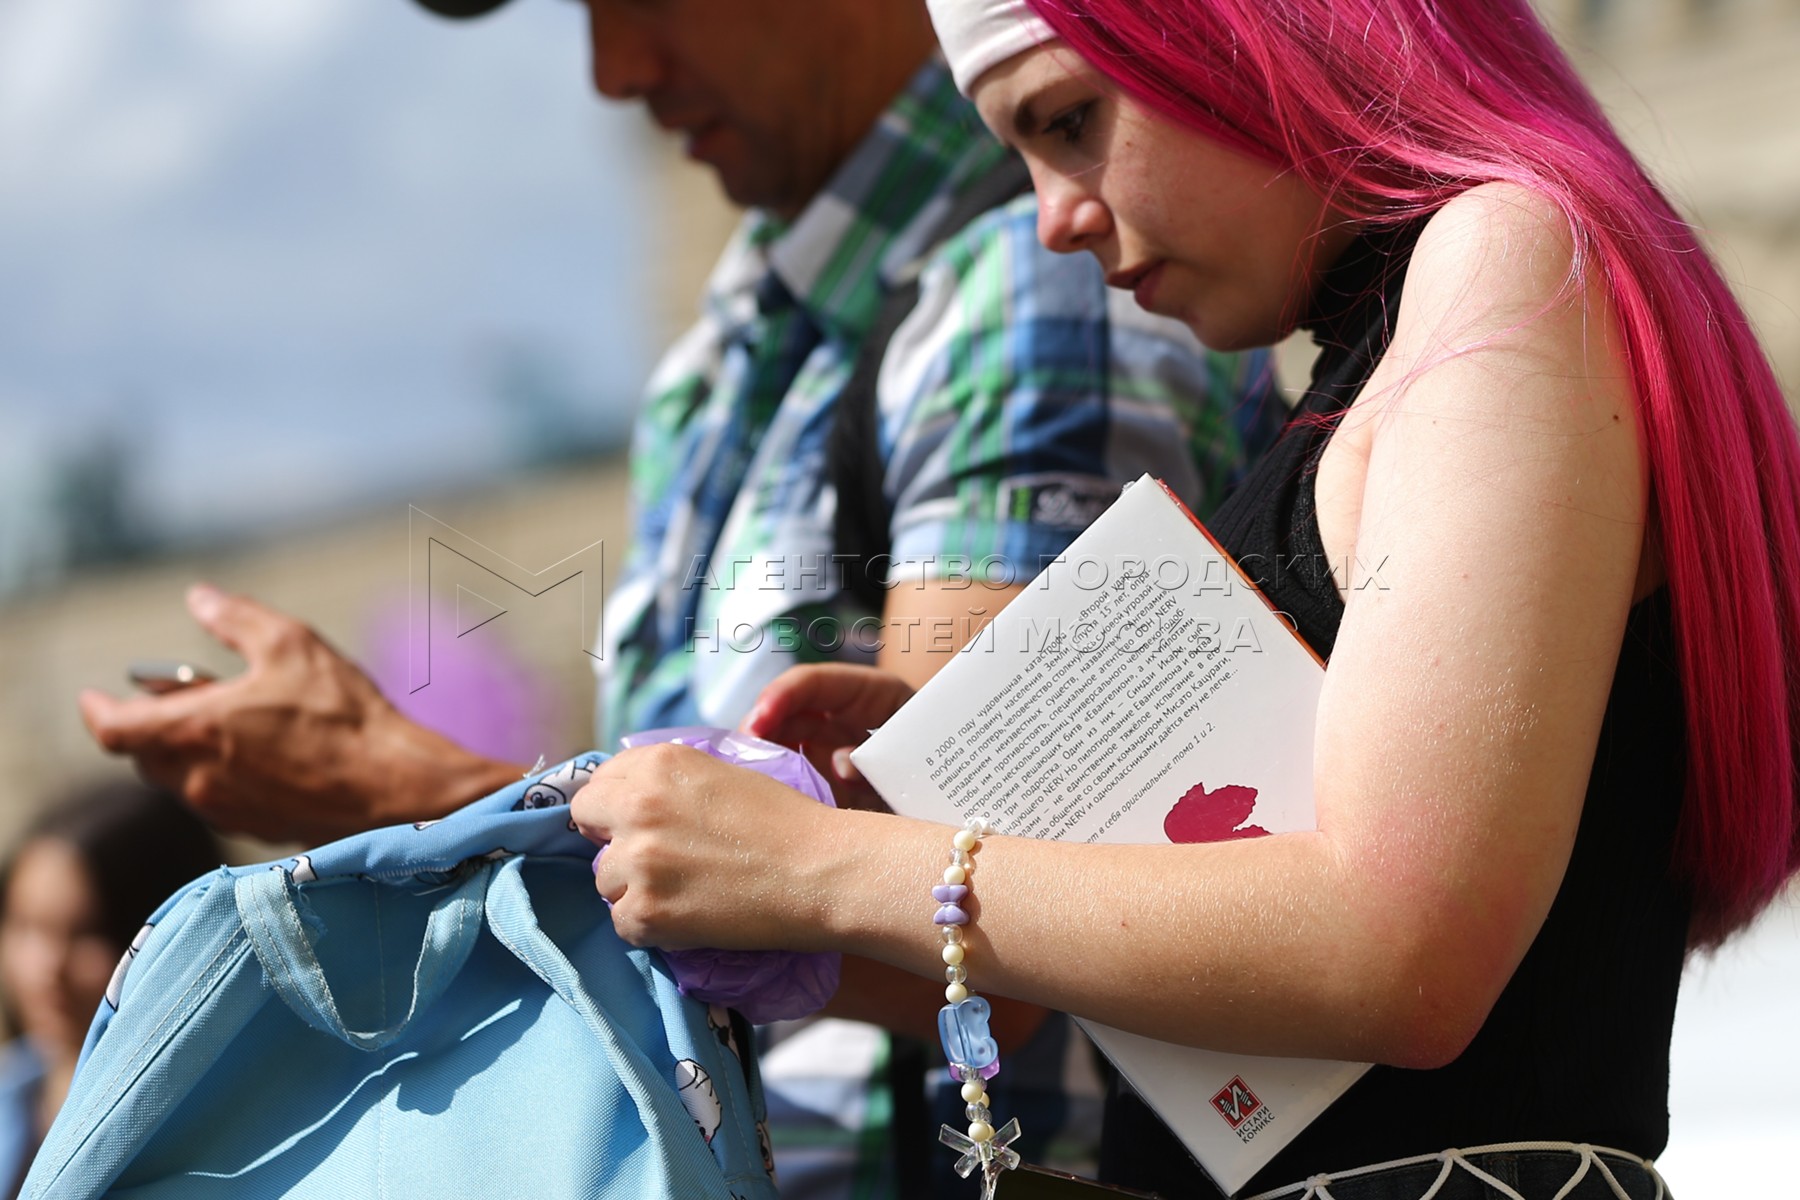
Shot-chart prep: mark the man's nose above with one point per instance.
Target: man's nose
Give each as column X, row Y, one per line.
column 627, row 62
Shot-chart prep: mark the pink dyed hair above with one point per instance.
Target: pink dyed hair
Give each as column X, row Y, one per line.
column 1391, row 108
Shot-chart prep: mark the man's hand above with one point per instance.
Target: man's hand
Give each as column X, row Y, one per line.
column 825, row 711
column 300, row 747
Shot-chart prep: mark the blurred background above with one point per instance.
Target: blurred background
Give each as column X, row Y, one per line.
column 283, row 283
column 269, row 275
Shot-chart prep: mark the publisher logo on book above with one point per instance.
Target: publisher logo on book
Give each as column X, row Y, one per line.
column 1247, row 1115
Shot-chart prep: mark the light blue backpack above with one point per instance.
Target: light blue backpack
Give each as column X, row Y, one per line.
column 438, row 1010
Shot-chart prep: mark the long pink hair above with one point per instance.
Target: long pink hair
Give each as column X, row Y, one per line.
column 1393, row 107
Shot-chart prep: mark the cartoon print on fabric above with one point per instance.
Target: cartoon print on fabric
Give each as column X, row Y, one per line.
column 695, row 1087
column 768, row 1150
column 724, row 1024
column 116, row 984
column 559, row 787
column 718, row 1019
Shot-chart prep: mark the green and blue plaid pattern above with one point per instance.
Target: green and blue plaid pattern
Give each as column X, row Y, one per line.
column 1014, row 401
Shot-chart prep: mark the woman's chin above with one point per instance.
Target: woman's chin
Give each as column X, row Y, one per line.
column 1217, row 332
column 1214, row 318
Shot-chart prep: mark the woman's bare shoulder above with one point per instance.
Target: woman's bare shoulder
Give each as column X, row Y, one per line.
column 1499, row 279
column 1493, row 255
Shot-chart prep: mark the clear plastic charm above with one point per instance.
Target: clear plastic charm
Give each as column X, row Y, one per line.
column 992, row 1156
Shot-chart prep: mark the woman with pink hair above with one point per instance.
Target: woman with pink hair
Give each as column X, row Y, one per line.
column 1555, row 750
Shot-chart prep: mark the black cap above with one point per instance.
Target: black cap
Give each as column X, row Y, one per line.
column 461, row 8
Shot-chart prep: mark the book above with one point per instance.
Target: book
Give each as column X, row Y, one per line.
column 1140, row 690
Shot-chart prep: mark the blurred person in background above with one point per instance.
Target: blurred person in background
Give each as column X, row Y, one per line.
column 1010, row 402
column 73, row 897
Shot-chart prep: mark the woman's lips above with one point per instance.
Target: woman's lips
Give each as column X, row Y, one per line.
column 1140, row 282
column 1145, row 289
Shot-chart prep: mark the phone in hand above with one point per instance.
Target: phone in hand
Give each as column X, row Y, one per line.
column 160, row 676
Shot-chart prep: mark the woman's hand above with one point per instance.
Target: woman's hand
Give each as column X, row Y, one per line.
column 824, row 712
column 700, row 853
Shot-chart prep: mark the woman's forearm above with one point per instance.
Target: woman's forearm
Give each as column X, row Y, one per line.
column 1271, row 946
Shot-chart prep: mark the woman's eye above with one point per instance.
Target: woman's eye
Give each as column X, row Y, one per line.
column 1069, row 124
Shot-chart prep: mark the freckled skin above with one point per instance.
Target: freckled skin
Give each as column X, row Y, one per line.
column 1240, row 239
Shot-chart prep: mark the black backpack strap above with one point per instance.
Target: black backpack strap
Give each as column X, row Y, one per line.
column 862, row 536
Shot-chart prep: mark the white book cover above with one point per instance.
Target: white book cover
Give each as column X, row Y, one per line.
column 1140, row 690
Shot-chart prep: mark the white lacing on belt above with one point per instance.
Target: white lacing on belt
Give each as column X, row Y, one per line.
column 1319, row 1186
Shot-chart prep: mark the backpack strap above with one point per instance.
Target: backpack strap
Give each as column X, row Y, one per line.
column 268, row 904
column 862, row 533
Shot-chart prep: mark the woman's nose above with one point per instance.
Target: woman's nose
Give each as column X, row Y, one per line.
column 1070, row 219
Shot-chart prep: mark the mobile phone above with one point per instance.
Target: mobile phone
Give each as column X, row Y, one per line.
column 162, row 675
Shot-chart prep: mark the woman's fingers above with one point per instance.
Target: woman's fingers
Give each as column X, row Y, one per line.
column 592, row 805
column 607, row 879
column 843, row 768
column 825, row 711
column 848, row 696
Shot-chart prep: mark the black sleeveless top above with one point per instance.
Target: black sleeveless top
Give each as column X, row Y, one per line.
column 1577, row 1047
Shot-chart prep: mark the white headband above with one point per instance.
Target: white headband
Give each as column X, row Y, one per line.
column 979, row 34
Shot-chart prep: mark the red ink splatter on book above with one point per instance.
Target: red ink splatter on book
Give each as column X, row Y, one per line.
column 1215, row 816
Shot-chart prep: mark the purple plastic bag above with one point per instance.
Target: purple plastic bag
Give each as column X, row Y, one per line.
column 764, row 985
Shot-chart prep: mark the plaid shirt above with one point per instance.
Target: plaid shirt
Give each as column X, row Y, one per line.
column 1016, row 398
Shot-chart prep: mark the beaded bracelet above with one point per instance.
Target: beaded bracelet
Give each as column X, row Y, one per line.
column 963, row 1026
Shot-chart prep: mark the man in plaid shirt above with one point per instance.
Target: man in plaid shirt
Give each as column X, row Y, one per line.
column 1013, row 401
